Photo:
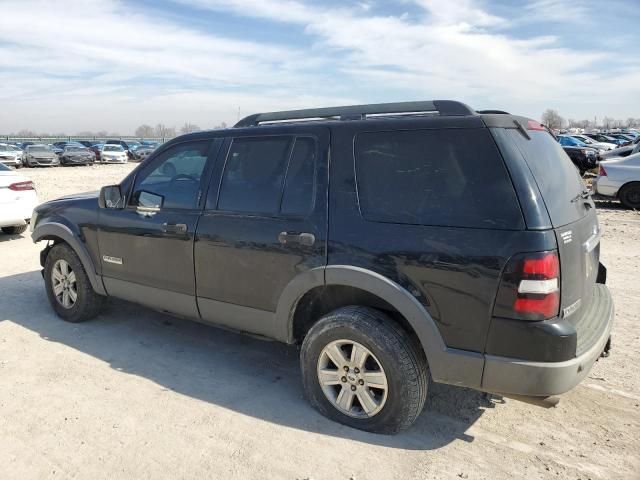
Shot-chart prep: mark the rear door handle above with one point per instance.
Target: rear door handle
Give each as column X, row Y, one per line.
column 307, row 239
column 174, row 228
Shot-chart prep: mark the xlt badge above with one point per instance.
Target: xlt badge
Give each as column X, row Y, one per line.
column 114, row 260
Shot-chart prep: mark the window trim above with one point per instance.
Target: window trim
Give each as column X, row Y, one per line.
column 316, row 164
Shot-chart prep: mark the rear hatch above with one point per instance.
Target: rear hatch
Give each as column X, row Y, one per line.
column 572, row 215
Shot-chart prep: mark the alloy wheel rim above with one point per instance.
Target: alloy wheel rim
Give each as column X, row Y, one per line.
column 352, row 379
column 63, row 283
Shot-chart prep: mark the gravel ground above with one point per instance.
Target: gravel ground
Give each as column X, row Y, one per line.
column 137, row 394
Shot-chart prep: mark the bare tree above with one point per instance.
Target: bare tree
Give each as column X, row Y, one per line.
column 221, row 125
column 552, row 119
column 144, row 131
column 607, row 122
column 189, row 127
column 163, row 131
column 26, row 133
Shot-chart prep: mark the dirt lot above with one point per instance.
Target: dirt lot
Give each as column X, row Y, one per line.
column 135, row 394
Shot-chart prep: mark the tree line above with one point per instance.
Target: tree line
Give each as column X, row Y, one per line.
column 552, row 119
column 143, row 131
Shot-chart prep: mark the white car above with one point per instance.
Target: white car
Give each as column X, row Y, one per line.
column 10, row 155
column 110, row 153
column 601, row 146
column 18, row 198
column 620, row 177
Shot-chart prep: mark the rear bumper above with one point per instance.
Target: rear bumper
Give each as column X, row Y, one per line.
column 603, row 186
column 521, row 377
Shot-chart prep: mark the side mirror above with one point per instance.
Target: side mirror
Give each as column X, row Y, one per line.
column 111, row 197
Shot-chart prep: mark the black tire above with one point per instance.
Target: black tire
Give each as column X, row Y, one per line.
column 630, row 195
column 15, row 230
column 400, row 356
column 88, row 303
column 18, row 166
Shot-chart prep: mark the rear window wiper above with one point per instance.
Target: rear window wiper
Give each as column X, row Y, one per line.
column 584, row 194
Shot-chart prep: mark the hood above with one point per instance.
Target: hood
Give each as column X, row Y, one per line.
column 40, row 154
column 79, row 196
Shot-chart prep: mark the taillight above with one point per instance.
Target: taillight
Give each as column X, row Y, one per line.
column 21, row 186
column 530, row 287
column 601, row 171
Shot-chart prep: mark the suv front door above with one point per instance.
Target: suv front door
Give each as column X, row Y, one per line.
column 146, row 249
column 265, row 222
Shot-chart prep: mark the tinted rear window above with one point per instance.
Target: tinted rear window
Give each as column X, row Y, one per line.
column 446, row 177
column 557, row 177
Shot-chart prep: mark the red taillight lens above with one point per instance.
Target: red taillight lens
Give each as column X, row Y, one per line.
column 545, row 267
column 530, row 287
column 602, row 172
column 21, row 186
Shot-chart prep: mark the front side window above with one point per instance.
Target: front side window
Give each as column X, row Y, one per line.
column 446, row 177
column 173, row 180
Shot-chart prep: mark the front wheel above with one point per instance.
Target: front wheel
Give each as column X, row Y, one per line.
column 360, row 368
column 68, row 287
column 630, row 195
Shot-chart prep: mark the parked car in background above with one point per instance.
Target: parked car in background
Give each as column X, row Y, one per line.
column 127, row 145
column 605, row 138
column 590, row 142
column 10, row 155
column 24, row 145
column 113, row 153
column 96, row 148
column 620, row 178
column 143, row 151
column 40, row 156
column 583, row 158
column 622, row 151
column 18, row 198
column 626, row 140
column 77, row 155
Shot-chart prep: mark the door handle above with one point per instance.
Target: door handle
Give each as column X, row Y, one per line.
column 307, row 239
column 174, row 228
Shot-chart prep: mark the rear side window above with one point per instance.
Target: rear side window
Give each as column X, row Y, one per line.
column 446, row 177
column 269, row 176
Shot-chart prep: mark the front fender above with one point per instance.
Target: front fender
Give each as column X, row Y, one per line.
column 54, row 230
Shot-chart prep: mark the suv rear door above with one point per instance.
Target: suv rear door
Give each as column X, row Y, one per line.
column 265, row 222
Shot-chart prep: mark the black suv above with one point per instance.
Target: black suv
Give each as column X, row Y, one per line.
column 397, row 244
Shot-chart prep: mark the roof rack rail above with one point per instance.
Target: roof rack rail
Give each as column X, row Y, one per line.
column 498, row 112
column 359, row 112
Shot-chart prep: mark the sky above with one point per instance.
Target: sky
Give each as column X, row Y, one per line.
column 89, row 65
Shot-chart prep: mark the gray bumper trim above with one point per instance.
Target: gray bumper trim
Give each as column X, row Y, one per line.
column 510, row 375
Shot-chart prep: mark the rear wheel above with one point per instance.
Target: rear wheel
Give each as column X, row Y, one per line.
column 68, row 287
column 15, row 230
column 630, row 195
column 360, row 368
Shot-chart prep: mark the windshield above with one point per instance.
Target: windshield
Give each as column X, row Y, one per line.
column 113, row 148
column 76, row 149
column 39, row 148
